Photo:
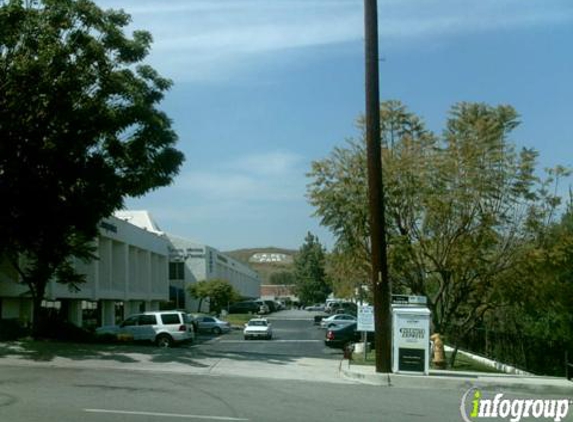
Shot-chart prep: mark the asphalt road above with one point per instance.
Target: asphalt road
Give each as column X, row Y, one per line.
column 70, row 395
column 294, row 336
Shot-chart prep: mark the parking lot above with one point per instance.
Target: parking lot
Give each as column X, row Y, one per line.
column 294, row 335
column 296, row 351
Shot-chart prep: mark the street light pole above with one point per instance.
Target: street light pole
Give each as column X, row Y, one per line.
column 379, row 275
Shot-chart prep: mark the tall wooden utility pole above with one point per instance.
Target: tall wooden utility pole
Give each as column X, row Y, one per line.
column 380, row 281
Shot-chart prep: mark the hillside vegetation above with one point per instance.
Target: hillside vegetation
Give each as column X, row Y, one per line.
column 265, row 269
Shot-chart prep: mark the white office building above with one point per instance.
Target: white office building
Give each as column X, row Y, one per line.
column 139, row 268
column 191, row 261
column 129, row 276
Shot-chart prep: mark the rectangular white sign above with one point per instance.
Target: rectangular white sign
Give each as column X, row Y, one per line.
column 365, row 318
column 412, row 331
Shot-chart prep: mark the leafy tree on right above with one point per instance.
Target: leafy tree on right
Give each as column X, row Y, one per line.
column 462, row 209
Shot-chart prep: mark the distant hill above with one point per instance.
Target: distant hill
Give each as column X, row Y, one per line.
column 266, row 261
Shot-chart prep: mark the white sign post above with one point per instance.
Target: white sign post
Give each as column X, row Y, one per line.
column 365, row 323
column 365, row 320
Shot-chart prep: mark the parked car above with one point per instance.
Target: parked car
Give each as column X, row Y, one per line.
column 162, row 327
column 318, row 318
column 341, row 336
column 273, row 307
column 245, row 307
column 341, row 308
column 264, row 309
column 337, row 320
column 258, row 328
column 212, row 324
column 316, row 307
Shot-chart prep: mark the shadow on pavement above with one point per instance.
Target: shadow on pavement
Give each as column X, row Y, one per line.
column 48, row 351
column 188, row 355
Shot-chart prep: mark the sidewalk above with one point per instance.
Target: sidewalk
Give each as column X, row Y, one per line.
column 194, row 361
column 457, row 380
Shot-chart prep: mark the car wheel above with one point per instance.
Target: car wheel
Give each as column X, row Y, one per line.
column 164, row 340
column 246, row 337
column 216, row 330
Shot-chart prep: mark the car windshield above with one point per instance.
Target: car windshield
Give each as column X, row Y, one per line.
column 258, row 323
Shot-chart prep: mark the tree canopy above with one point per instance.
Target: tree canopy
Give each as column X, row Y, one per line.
column 80, row 130
column 309, row 271
column 219, row 292
column 461, row 208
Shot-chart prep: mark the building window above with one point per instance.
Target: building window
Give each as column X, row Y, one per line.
column 119, row 312
column 177, row 297
column 176, row 271
column 90, row 314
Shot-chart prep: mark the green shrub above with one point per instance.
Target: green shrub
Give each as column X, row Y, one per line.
column 12, row 329
column 56, row 329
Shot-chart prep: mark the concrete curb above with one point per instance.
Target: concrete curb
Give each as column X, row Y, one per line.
column 463, row 382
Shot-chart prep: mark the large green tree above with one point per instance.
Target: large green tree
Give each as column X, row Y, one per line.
column 309, row 271
column 219, row 292
column 460, row 208
column 80, row 130
column 537, row 305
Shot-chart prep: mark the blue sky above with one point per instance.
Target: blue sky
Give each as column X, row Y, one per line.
column 263, row 87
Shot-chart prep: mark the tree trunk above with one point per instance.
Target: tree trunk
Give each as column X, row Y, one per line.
column 37, row 298
column 200, row 303
column 486, row 353
column 37, row 280
column 436, row 322
column 452, row 361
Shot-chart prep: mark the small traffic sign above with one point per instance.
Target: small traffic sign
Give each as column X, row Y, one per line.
column 365, row 319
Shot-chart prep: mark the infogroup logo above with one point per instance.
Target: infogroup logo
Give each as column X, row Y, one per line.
column 476, row 406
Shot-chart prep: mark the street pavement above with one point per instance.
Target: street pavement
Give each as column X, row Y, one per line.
column 47, row 394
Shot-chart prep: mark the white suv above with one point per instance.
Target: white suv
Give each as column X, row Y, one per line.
column 162, row 327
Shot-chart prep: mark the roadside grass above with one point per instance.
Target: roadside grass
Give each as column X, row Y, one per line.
column 463, row 363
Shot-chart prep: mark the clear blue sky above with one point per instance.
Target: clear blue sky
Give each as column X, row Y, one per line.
column 263, row 87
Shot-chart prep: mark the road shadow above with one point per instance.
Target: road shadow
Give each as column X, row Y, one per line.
column 251, row 356
column 49, row 351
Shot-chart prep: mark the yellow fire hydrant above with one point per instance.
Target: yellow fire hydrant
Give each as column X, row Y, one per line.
column 439, row 356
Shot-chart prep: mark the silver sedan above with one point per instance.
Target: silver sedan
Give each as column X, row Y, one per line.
column 211, row 324
column 337, row 320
